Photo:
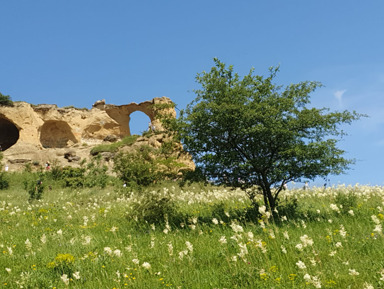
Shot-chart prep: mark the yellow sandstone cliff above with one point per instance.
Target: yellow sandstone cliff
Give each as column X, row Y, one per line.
column 41, row 133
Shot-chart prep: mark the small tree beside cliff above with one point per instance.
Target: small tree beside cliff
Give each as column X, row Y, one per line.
column 251, row 133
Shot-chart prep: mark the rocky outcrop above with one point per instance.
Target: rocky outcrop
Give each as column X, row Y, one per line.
column 42, row 133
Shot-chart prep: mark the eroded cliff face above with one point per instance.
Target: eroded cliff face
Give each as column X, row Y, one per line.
column 42, row 133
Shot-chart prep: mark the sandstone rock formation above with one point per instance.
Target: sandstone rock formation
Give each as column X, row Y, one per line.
column 41, row 133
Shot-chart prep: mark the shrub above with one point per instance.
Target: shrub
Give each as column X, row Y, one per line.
column 154, row 208
column 73, row 177
column 34, row 188
column 136, row 168
column 96, row 174
column 91, row 175
column 346, row 201
column 5, row 100
column 4, row 183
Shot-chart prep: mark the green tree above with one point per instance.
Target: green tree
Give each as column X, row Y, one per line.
column 249, row 132
column 5, row 100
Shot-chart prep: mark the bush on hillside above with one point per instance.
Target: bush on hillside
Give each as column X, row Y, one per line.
column 5, row 100
column 4, row 183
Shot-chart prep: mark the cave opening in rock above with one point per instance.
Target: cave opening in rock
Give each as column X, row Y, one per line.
column 9, row 134
column 56, row 134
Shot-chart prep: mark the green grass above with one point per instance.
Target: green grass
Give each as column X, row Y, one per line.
column 113, row 147
column 98, row 239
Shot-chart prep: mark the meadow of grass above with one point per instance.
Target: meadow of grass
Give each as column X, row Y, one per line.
column 192, row 237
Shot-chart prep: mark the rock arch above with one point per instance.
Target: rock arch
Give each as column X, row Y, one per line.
column 56, row 134
column 9, row 133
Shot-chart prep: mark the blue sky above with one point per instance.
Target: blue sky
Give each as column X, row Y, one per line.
column 74, row 52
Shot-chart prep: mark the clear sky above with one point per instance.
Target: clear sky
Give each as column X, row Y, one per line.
column 74, row 52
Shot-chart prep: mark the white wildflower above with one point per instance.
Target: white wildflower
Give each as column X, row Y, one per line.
column 262, row 210
column 76, row 275
column 301, row 265
column 170, row 249
column 117, row 253
column 250, row 236
column 85, row 223
column 65, row 279
column 351, row 212
column 223, row 240
column 299, row 247
column 108, row 250
column 368, row 286
column 86, row 240
column 182, row 254
column 378, row 228
column 113, row 229
column 353, row 272
column 146, row 265
column 316, row 282
column 136, row 261
column 60, row 232
column 342, row 231
column 237, row 228
column 335, row 208
column 307, row 277
column 28, row 244
column 306, row 241
column 8, row 270
column 43, row 239
column 215, row 221
column 189, row 246
column 313, row 261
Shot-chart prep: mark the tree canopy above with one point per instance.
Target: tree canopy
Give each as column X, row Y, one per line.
column 249, row 132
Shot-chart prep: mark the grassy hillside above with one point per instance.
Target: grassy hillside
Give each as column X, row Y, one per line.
column 194, row 237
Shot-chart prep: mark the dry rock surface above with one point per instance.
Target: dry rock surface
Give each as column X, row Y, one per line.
column 42, row 133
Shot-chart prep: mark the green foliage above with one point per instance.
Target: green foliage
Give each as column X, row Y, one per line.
column 250, row 131
column 73, row 177
column 147, row 165
column 92, row 175
column 4, row 183
column 113, row 147
column 34, row 187
column 5, row 100
column 154, row 208
column 345, row 201
column 96, row 174
column 137, row 168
